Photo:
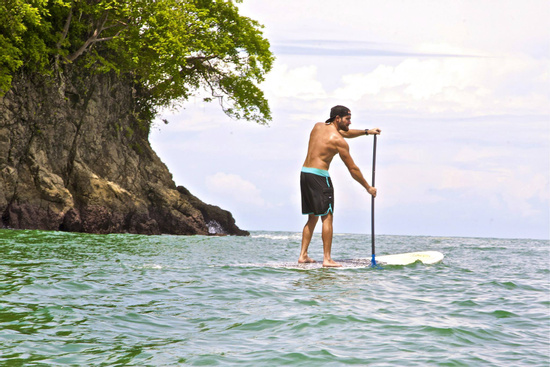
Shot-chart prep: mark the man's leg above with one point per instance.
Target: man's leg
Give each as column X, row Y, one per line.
column 327, row 241
column 306, row 239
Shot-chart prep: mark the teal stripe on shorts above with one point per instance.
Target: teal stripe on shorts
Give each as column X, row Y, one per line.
column 316, row 171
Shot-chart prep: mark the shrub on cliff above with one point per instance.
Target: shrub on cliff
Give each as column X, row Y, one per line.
column 171, row 49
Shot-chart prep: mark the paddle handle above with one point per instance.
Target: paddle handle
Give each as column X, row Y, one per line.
column 373, row 261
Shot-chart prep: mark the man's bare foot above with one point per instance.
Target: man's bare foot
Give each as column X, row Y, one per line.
column 331, row 264
column 305, row 260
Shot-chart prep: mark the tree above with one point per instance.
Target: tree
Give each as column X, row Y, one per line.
column 171, row 49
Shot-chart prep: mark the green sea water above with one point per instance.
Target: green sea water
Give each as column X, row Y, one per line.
column 70, row 299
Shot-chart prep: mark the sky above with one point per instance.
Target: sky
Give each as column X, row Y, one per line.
column 460, row 89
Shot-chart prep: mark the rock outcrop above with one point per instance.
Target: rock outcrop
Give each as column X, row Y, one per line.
column 75, row 156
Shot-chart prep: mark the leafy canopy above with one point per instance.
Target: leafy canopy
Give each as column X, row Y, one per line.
column 172, row 49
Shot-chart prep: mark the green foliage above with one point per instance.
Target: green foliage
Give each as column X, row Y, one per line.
column 16, row 17
column 172, row 49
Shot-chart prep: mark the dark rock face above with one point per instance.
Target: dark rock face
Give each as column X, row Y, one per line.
column 75, row 156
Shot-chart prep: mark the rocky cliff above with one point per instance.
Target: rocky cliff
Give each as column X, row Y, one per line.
column 75, row 156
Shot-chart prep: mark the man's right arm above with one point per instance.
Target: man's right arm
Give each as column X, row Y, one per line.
column 354, row 133
column 343, row 151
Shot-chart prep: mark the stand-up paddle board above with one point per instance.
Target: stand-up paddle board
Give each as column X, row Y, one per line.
column 346, row 264
column 425, row 257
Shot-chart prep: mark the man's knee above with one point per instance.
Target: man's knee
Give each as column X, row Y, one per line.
column 312, row 219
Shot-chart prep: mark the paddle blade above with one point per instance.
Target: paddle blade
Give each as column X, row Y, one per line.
column 426, row 257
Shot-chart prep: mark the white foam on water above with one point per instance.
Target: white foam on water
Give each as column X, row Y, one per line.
column 152, row 266
column 278, row 236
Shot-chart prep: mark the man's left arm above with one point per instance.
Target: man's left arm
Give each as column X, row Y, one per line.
column 354, row 133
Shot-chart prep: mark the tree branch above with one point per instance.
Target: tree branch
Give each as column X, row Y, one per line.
column 94, row 38
column 65, row 29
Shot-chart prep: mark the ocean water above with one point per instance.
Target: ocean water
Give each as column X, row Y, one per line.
column 70, row 299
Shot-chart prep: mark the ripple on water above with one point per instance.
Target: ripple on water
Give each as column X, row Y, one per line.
column 76, row 299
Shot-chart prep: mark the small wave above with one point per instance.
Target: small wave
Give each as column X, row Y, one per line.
column 257, row 325
column 283, row 237
column 147, row 266
column 512, row 285
column 465, row 303
column 502, row 314
column 152, row 266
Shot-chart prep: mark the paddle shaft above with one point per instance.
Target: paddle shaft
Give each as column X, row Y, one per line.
column 372, row 201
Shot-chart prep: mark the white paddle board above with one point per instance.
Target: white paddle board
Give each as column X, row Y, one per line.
column 346, row 264
column 426, row 257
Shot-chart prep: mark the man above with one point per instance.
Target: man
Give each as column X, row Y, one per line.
column 325, row 141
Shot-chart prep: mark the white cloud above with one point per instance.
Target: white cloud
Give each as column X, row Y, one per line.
column 470, row 86
column 301, row 83
column 502, row 188
column 235, row 189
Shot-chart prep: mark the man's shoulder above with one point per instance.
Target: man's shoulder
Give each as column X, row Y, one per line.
column 322, row 126
column 337, row 139
column 323, row 131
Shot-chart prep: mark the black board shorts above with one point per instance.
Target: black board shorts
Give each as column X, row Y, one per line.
column 317, row 192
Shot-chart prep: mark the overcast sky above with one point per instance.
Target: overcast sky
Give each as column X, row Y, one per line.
column 460, row 89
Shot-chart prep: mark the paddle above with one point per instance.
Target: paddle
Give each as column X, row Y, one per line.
column 373, row 261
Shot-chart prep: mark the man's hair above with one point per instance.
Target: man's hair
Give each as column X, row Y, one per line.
column 338, row 111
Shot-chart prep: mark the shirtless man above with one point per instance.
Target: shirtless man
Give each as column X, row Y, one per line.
column 325, row 141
